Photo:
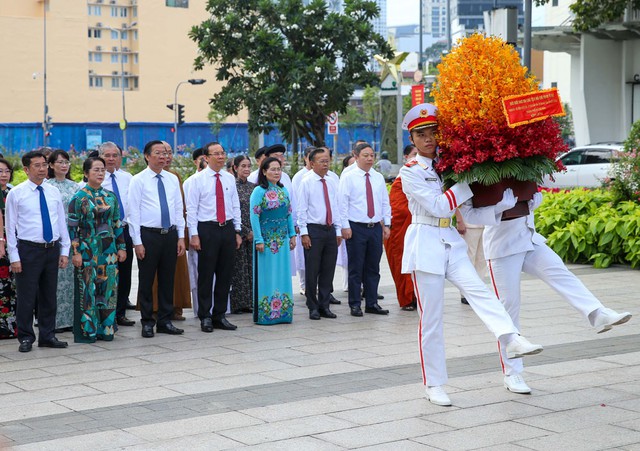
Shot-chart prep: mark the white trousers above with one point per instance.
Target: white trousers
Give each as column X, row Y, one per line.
column 429, row 289
column 543, row 263
column 299, row 257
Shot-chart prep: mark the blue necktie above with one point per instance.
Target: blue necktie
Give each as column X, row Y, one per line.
column 116, row 191
column 47, row 232
column 164, row 206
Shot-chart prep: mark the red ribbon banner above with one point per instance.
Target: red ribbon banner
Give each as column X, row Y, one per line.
column 531, row 107
column 417, row 95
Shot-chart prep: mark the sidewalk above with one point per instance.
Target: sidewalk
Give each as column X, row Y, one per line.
column 335, row 384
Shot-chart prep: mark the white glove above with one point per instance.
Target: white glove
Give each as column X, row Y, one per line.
column 508, row 201
column 536, row 201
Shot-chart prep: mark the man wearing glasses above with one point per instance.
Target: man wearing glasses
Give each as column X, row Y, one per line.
column 156, row 224
column 38, row 244
column 213, row 216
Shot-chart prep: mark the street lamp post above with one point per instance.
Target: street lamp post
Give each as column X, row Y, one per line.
column 123, row 123
column 193, row 81
column 45, row 119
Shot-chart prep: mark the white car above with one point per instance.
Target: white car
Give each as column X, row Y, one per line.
column 587, row 166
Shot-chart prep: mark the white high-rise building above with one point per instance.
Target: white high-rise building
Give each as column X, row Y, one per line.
column 379, row 23
column 434, row 18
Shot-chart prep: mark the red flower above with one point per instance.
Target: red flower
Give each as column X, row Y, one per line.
column 4, row 272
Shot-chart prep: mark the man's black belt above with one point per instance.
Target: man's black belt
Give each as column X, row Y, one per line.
column 219, row 224
column 322, row 226
column 368, row 225
column 40, row 245
column 159, row 230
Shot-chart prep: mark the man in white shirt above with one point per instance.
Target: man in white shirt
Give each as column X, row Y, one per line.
column 299, row 249
column 213, row 215
column 156, row 224
column 117, row 181
column 320, row 232
column 364, row 206
column 259, row 156
column 38, row 244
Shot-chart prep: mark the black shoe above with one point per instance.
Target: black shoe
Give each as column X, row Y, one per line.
column 25, row 346
column 147, row 331
column 376, row 309
column 206, row 325
column 356, row 311
column 130, row 306
column 326, row 313
column 53, row 343
column 380, row 297
column 463, row 300
column 223, row 324
column 169, row 328
column 124, row 321
column 334, row 301
column 314, row 314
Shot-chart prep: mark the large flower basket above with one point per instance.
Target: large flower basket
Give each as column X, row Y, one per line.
column 476, row 142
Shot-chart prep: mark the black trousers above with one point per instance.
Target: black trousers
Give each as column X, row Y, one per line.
column 36, row 286
column 364, row 250
column 161, row 254
column 216, row 257
column 320, row 266
column 124, row 276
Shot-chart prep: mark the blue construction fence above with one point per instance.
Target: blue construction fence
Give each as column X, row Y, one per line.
column 21, row 137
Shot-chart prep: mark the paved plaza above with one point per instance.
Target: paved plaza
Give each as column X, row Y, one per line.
column 335, row 384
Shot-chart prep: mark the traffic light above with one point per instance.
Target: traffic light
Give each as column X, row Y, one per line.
column 180, row 114
column 170, row 106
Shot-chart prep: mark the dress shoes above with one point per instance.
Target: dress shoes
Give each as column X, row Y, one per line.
column 314, row 314
column 206, row 325
column 223, row 324
column 130, row 306
column 334, row 301
column 147, row 331
column 169, row 328
column 25, row 346
column 516, row 384
column 356, row 311
column 380, row 297
column 520, row 347
column 124, row 321
column 438, row 396
column 326, row 313
column 606, row 318
column 376, row 309
column 52, row 343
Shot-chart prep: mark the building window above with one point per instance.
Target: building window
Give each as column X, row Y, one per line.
column 114, row 57
column 95, row 33
column 95, row 82
column 114, row 34
column 90, row 56
column 97, row 57
column 125, row 35
column 126, row 83
column 114, row 11
column 123, row 12
column 177, row 3
column 115, row 82
column 134, row 11
column 135, row 82
column 135, row 59
column 125, row 58
column 95, row 10
column 554, row 3
column 135, row 35
column 554, row 84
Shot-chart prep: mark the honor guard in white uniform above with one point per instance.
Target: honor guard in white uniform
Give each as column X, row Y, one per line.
column 513, row 246
column 434, row 251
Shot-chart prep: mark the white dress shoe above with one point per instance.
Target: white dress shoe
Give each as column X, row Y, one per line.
column 607, row 318
column 520, row 346
column 516, row 384
column 438, row 396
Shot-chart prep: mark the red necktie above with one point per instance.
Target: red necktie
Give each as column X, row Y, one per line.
column 370, row 210
column 220, row 213
column 327, row 204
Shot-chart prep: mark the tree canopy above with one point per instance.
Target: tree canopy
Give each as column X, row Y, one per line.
column 289, row 64
column 590, row 14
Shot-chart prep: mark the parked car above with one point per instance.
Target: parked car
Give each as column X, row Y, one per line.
column 587, row 166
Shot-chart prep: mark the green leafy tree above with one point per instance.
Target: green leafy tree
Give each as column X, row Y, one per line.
column 590, row 14
column 372, row 109
column 217, row 119
column 289, row 64
column 350, row 120
column 566, row 123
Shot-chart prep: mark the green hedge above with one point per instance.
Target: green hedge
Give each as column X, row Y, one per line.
column 585, row 226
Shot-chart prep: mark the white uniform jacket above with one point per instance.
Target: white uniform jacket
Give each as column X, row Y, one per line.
column 425, row 245
column 503, row 238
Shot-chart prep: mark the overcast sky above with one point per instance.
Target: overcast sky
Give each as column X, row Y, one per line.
column 403, row 12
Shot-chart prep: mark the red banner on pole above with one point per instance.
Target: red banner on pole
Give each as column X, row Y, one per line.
column 417, row 95
column 531, row 107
